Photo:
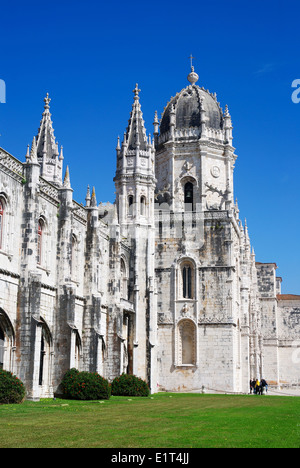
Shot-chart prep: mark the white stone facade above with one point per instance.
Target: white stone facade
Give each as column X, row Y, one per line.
column 162, row 284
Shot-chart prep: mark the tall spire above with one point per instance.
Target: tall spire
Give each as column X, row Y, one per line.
column 47, row 147
column 136, row 136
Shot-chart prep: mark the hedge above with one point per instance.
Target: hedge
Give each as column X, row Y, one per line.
column 129, row 385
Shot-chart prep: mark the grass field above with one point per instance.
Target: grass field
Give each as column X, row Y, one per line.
column 160, row 421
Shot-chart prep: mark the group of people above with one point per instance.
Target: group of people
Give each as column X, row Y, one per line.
column 258, row 387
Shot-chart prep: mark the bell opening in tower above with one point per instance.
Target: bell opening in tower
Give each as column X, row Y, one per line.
column 188, row 196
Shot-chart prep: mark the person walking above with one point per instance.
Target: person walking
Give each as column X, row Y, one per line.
column 257, row 387
column 264, row 385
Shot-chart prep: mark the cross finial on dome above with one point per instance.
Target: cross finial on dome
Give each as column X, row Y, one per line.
column 191, row 59
column 192, row 77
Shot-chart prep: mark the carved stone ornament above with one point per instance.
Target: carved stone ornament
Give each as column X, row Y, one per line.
column 215, row 172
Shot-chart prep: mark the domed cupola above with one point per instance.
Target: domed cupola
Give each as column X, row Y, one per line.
column 194, row 156
column 193, row 113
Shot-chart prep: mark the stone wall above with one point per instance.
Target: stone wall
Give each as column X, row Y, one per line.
column 289, row 339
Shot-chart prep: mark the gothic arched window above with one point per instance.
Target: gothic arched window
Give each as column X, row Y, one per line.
column 130, row 204
column 124, row 280
column 40, row 242
column 1, row 222
column 187, row 280
column 77, row 351
column 74, row 262
column 7, row 342
column 188, row 196
column 42, row 356
column 143, row 206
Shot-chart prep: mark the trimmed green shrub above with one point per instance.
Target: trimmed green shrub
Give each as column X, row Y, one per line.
column 12, row 389
column 85, row 386
column 68, row 381
column 129, row 385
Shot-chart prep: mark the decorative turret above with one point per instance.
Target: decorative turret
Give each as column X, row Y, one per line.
column 93, row 199
column 88, row 198
column 32, row 168
column 135, row 225
column 156, row 128
column 135, row 178
column 32, row 157
column 227, row 126
column 67, row 183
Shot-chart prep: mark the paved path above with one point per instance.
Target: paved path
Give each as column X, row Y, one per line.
column 285, row 392
column 271, row 392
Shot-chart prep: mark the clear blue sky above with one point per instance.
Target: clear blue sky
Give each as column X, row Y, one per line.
column 89, row 55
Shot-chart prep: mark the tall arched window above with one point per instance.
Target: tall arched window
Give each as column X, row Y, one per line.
column 143, row 206
column 40, row 242
column 130, row 204
column 187, row 280
column 77, row 351
column 1, row 222
column 74, row 257
column 188, row 196
column 124, row 281
column 42, row 355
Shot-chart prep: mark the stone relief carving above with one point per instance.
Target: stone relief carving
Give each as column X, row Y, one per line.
column 164, row 195
column 222, row 196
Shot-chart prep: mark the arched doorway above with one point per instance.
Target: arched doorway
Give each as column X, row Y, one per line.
column 45, row 368
column 7, row 342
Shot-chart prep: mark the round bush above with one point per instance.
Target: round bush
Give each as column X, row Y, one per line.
column 85, row 386
column 129, row 385
column 12, row 389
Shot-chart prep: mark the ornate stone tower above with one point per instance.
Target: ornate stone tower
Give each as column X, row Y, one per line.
column 135, row 186
column 203, row 323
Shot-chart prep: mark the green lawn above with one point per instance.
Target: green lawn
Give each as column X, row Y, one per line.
column 160, row 421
